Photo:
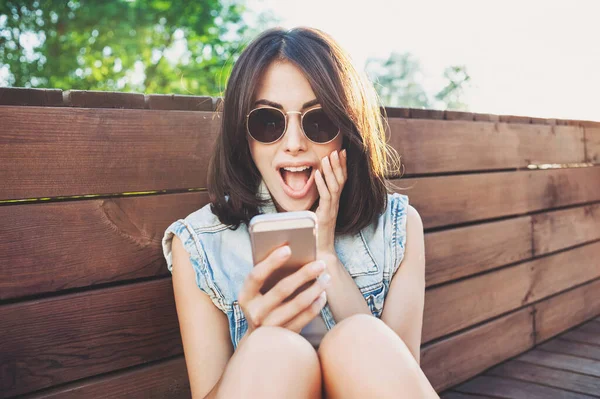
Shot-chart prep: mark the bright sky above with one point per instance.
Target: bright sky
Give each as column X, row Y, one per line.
column 536, row 58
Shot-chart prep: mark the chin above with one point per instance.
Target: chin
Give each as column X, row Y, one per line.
column 290, row 205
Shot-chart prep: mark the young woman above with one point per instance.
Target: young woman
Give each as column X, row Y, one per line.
column 301, row 129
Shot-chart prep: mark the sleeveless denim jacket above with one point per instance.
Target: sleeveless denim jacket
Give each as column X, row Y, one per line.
column 222, row 257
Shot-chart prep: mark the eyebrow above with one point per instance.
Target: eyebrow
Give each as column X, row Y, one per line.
column 279, row 106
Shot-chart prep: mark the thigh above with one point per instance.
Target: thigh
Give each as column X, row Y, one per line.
column 273, row 363
column 362, row 357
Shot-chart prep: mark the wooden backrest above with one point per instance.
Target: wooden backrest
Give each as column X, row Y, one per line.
column 90, row 180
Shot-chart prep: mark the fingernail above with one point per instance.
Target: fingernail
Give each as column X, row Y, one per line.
column 324, row 280
column 284, row 251
column 335, row 154
column 343, row 153
column 320, row 301
column 324, row 160
column 318, row 266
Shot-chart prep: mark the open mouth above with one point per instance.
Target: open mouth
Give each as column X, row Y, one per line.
column 296, row 181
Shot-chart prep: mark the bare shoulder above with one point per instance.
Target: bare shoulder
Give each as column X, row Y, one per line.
column 415, row 239
column 413, row 220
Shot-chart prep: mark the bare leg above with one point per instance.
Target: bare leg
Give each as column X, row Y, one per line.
column 273, row 363
column 361, row 357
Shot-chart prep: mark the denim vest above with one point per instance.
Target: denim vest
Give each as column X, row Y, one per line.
column 222, row 257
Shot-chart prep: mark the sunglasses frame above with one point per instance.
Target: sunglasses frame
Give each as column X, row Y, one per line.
column 285, row 118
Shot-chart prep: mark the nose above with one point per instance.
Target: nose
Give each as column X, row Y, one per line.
column 294, row 140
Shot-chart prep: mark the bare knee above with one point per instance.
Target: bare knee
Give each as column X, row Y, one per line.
column 363, row 357
column 355, row 331
column 360, row 340
column 269, row 352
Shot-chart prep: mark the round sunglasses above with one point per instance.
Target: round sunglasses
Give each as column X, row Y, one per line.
column 268, row 125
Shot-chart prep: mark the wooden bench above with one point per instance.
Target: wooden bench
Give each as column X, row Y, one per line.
column 90, row 180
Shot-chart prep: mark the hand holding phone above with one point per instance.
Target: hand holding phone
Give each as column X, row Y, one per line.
column 290, row 296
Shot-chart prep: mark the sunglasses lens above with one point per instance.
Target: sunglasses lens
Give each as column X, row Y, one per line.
column 266, row 124
column 318, row 127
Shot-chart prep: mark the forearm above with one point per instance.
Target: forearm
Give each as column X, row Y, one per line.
column 343, row 295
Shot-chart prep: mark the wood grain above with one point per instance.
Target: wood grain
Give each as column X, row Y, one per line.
column 561, row 345
column 454, row 199
column 464, row 251
column 65, row 338
column 454, row 306
column 557, row 378
column 432, row 146
column 560, row 229
column 580, row 336
column 567, row 309
column 592, row 137
column 562, row 362
column 50, row 152
column 166, row 379
column 56, row 246
column 509, row 388
column 460, row 357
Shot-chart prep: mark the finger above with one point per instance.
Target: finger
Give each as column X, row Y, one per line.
column 337, row 168
column 289, row 310
column 324, row 195
column 344, row 157
column 300, row 321
column 261, row 271
column 330, row 179
column 288, row 285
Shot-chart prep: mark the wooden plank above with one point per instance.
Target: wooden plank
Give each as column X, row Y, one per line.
column 458, row 395
column 103, row 99
column 464, row 251
column 559, row 345
column 556, row 230
column 565, row 310
column 562, row 362
column 451, row 307
column 70, row 143
column 166, row 379
column 589, row 327
column 582, row 336
column 592, row 141
column 433, row 146
column 179, row 102
column 61, row 339
column 547, row 376
column 102, row 151
column 447, row 200
column 514, row 389
column 515, row 119
column 460, row 357
column 459, row 116
column 25, row 96
column 47, row 247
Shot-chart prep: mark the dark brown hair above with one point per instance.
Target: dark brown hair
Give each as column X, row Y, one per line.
column 346, row 96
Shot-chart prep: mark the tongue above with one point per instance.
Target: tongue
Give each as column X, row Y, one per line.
column 296, row 180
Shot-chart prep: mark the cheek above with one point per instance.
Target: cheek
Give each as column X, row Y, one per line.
column 325, row 150
column 261, row 155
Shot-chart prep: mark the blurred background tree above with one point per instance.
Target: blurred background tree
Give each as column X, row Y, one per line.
column 398, row 80
column 168, row 46
column 152, row 46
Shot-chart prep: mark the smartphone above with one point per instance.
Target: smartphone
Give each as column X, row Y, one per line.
column 297, row 229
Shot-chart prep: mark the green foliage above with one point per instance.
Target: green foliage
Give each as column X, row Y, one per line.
column 152, row 46
column 398, row 81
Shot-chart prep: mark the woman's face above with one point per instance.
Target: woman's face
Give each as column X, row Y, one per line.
column 284, row 83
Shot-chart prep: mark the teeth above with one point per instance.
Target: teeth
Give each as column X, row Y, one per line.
column 296, row 169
